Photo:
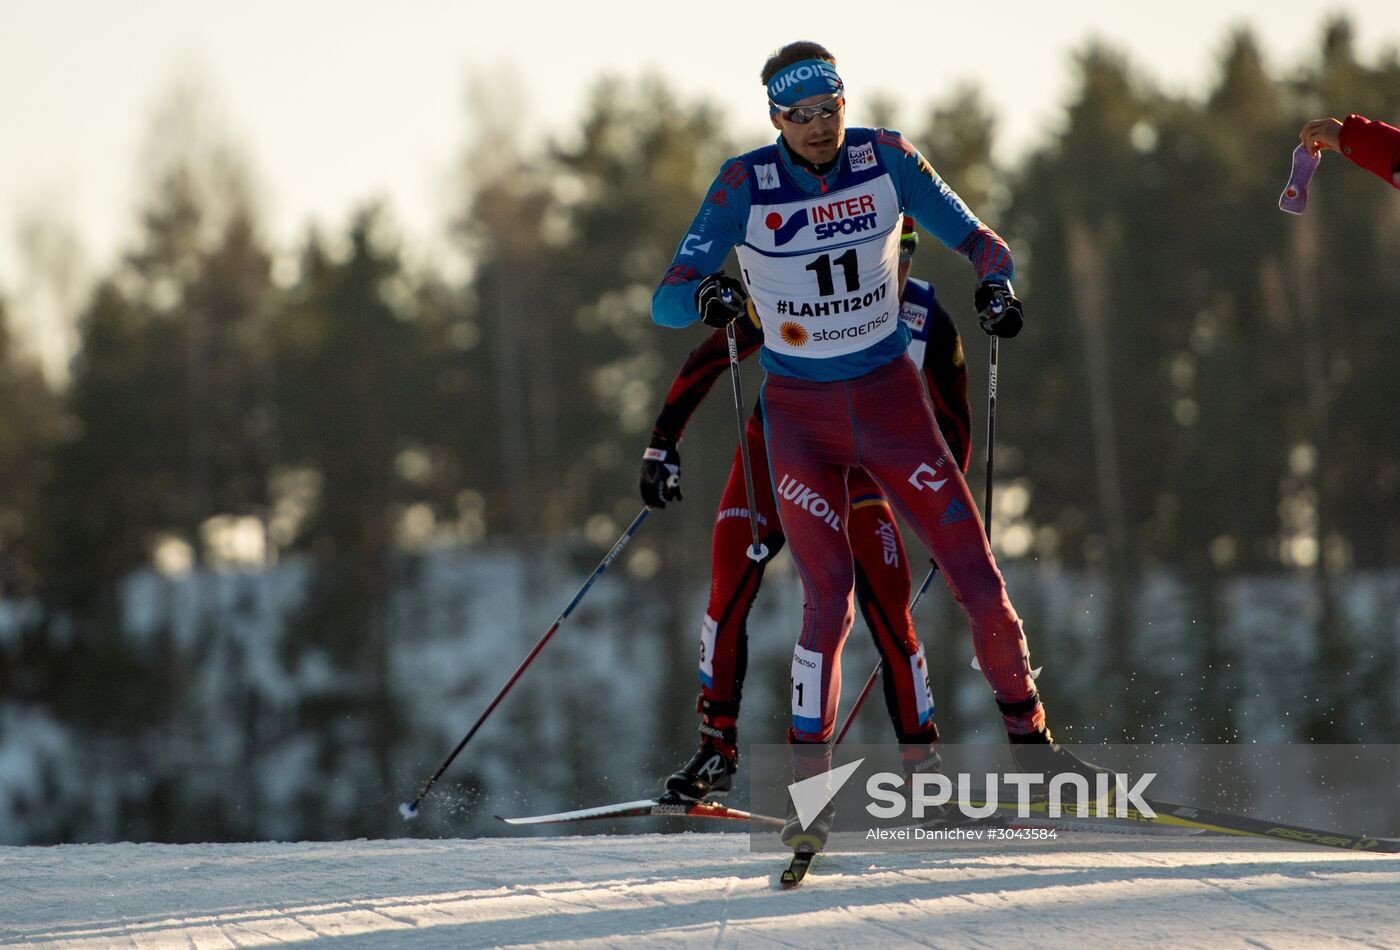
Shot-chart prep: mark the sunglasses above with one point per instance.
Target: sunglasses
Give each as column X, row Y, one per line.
column 801, row 115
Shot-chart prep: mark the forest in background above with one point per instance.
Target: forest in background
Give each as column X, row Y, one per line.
column 1203, row 392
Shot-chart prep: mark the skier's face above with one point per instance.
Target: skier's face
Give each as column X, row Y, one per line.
column 819, row 139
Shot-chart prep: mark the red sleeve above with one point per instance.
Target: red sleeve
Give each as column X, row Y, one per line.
column 705, row 364
column 1374, row 146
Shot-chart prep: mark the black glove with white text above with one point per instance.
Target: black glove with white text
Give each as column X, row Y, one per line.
column 720, row 300
column 998, row 309
column 661, row 472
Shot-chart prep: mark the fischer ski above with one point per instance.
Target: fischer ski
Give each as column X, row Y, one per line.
column 1188, row 816
column 647, row 807
column 1171, row 815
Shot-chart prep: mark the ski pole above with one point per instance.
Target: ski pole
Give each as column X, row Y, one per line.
column 758, row 550
column 410, row 809
column 875, row 673
column 991, row 433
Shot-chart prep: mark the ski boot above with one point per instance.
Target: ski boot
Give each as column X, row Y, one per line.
column 808, row 761
column 812, row 838
column 920, row 757
column 710, row 771
column 1039, row 752
column 708, row 774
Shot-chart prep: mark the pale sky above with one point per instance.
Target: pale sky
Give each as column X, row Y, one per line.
column 337, row 102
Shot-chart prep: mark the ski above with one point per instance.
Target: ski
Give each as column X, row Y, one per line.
column 1169, row 814
column 1188, row 816
column 797, row 868
column 647, row 807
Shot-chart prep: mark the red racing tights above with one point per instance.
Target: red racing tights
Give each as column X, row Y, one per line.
column 882, row 587
column 818, row 433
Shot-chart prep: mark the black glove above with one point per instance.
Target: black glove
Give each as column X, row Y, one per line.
column 661, row 472
column 720, row 300
column 998, row 310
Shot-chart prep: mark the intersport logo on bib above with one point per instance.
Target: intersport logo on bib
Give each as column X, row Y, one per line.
column 841, row 216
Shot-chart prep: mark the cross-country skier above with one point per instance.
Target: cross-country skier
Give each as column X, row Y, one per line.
column 815, row 219
column 1373, row 145
column 882, row 581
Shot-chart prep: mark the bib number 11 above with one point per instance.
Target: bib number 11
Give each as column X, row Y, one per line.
column 850, row 269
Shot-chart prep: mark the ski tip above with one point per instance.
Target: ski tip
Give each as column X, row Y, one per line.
column 408, row 810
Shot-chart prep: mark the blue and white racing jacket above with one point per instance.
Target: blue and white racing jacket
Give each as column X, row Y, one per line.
column 819, row 254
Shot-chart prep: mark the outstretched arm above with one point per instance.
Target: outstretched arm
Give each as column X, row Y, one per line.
column 1373, row 145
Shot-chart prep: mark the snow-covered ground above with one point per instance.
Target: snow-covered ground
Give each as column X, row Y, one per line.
column 693, row 890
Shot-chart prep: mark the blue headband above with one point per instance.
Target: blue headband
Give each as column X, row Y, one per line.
column 807, row 77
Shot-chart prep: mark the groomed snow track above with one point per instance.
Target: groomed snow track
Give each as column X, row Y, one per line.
column 694, row 890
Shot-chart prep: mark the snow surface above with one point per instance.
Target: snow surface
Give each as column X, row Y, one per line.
column 694, row 890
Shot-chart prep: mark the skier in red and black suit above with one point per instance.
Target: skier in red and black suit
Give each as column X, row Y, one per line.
column 881, row 568
column 1373, row 145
